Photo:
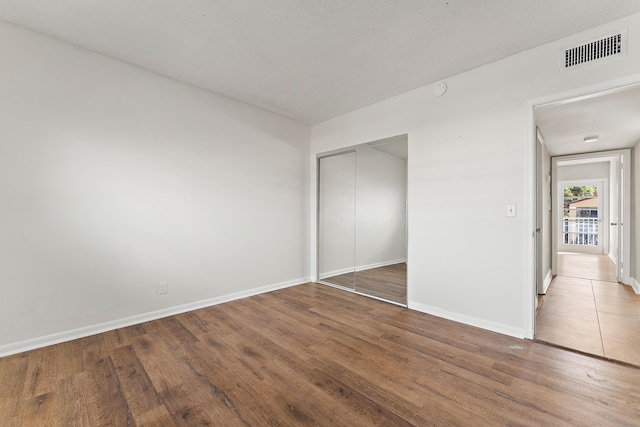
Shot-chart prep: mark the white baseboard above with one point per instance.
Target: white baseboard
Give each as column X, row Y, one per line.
column 336, row 272
column 468, row 320
column 47, row 340
column 635, row 285
column 380, row 264
column 612, row 258
column 547, row 281
column 361, row 268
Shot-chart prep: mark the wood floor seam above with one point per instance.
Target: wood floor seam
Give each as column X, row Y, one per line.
column 595, row 303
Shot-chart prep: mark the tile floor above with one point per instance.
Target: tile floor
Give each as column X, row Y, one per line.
column 586, row 266
column 596, row 316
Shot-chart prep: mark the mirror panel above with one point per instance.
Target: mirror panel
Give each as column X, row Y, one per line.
column 336, row 219
column 362, row 219
column 381, row 233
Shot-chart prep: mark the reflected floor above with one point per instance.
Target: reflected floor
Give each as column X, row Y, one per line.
column 388, row 282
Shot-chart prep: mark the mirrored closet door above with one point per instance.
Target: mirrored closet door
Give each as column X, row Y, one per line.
column 336, row 219
column 362, row 233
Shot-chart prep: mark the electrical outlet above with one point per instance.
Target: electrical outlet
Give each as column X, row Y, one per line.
column 163, row 288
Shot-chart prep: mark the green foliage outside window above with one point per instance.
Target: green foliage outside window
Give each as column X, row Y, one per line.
column 572, row 194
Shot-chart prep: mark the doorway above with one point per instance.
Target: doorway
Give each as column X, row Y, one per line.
column 591, row 198
column 583, row 222
column 583, row 217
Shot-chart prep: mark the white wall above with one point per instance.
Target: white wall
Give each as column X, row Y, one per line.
column 470, row 154
column 588, row 171
column 113, row 179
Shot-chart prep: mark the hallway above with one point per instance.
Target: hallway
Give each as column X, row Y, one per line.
column 587, row 310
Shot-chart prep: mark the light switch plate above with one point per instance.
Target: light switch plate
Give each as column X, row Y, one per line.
column 511, row 210
column 163, row 288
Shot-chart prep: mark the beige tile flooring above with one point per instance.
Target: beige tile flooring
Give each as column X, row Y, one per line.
column 586, row 266
column 590, row 314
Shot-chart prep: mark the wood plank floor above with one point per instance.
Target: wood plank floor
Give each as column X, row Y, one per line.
column 586, row 314
column 311, row 355
column 388, row 282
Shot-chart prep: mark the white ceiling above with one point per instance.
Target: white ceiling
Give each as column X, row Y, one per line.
column 310, row 60
column 614, row 117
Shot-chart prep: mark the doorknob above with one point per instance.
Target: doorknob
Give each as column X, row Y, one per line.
column 614, row 223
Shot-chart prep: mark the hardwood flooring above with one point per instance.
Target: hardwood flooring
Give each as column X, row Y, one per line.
column 388, row 282
column 311, row 355
column 594, row 316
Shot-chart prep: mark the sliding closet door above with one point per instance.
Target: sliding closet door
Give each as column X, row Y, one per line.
column 381, row 234
column 336, row 219
column 362, row 217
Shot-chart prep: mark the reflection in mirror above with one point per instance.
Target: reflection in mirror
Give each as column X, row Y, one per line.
column 362, row 217
column 336, row 219
column 381, row 234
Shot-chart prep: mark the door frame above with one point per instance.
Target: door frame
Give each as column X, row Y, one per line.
column 584, row 92
column 624, row 200
column 603, row 214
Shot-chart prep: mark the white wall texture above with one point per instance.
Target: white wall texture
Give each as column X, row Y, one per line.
column 586, row 171
column 470, row 154
column 113, row 179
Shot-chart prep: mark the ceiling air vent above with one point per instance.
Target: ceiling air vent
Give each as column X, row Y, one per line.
column 604, row 47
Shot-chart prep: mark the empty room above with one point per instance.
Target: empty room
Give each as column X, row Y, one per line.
column 343, row 213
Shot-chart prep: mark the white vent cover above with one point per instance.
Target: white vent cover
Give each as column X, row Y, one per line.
column 609, row 46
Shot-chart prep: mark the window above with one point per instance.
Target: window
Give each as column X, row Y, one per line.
column 586, row 213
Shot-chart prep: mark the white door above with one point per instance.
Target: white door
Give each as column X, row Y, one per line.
column 617, row 221
column 539, row 207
